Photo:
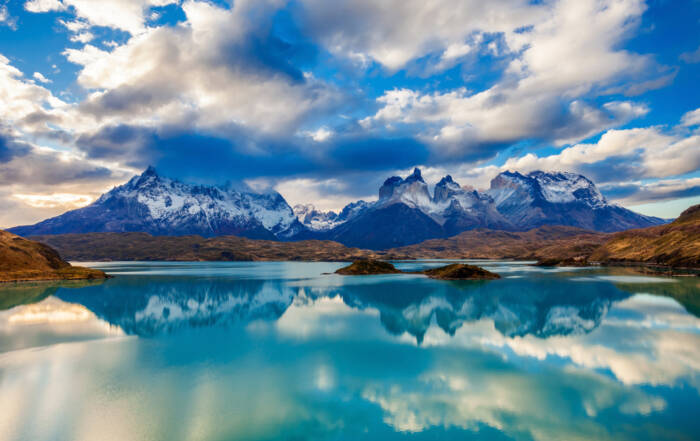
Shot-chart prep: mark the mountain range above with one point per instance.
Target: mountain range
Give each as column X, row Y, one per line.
column 158, row 205
column 674, row 245
column 405, row 213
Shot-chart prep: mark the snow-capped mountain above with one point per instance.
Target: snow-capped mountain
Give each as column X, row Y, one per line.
column 162, row 206
column 319, row 221
column 314, row 219
column 412, row 191
column 539, row 198
column 407, row 213
column 451, row 206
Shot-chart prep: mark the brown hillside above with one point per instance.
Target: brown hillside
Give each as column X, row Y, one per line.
column 676, row 244
column 143, row 246
column 22, row 259
column 540, row 243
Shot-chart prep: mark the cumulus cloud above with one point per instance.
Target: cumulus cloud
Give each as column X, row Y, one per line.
column 40, row 78
column 397, row 31
column 326, row 194
column 638, row 153
column 38, row 182
column 26, row 106
column 235, row 91
column 569, row 51
column 126, row 15
column 639, row 192
column 464, row 122
column 217, row 69
column 691, row 118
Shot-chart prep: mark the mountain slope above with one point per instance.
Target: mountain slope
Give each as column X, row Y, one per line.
column 406, row 213
column 539, row 198
column 541, row 243
column 161, row 206
column 22, row 259
column 676, row 244
column 143, row 246
column 383, row 227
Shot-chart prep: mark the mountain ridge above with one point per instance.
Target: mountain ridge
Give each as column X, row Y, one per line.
column 406, row 211
column 673, row 245
column 161, row 206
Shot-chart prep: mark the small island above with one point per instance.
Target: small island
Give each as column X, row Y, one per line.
column 368, row 267
column 460, row 271
column 455, row 271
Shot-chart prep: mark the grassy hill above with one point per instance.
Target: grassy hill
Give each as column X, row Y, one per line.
column 676, row 244
column 23, row 260
column 546, row 242
column 143, row 246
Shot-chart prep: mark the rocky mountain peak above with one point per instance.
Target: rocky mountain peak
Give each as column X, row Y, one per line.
column 412, row 191
column 415, row 176
column 160, row 205
column 445, row 189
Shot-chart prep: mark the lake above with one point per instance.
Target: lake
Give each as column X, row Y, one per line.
column 279, row 350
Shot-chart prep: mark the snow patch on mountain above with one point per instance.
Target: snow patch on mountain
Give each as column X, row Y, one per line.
column 316, row 220
column 564, row 187
column 412, row 191
column 167, row 199
column 163, row 206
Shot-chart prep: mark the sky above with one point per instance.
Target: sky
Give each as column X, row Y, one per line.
column 323, row 100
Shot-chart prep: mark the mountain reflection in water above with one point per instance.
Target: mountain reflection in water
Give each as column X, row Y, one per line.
column 270, row 350
column 540, row 307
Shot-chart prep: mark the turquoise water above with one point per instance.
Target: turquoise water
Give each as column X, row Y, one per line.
column 267, row 351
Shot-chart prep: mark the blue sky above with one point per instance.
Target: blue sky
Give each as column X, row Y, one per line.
column 323, row 100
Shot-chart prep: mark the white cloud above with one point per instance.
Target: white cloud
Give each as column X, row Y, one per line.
column 649, row 151
column 54, row 200
column 39, row 183
column 24, row 105
column 39, row 77
column 180, row 75
column 570, row 51
column 662, row 189
column 126, row 15
column 319, row 135
column 6, row 19
column 324, row 194
column 691, row 118
column 464, row 120
column 75, row 25
column 395, row 32
column 83, row 37
column 44, row 5
column 691, row 57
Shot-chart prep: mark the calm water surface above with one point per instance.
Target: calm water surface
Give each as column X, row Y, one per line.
column 267, row 351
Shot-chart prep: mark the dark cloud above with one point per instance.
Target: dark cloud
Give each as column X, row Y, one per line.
column 11, row 148
column 613, row 168
column 124, row 143
column 652, row 192
column 242, row 154
column 274, row 47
